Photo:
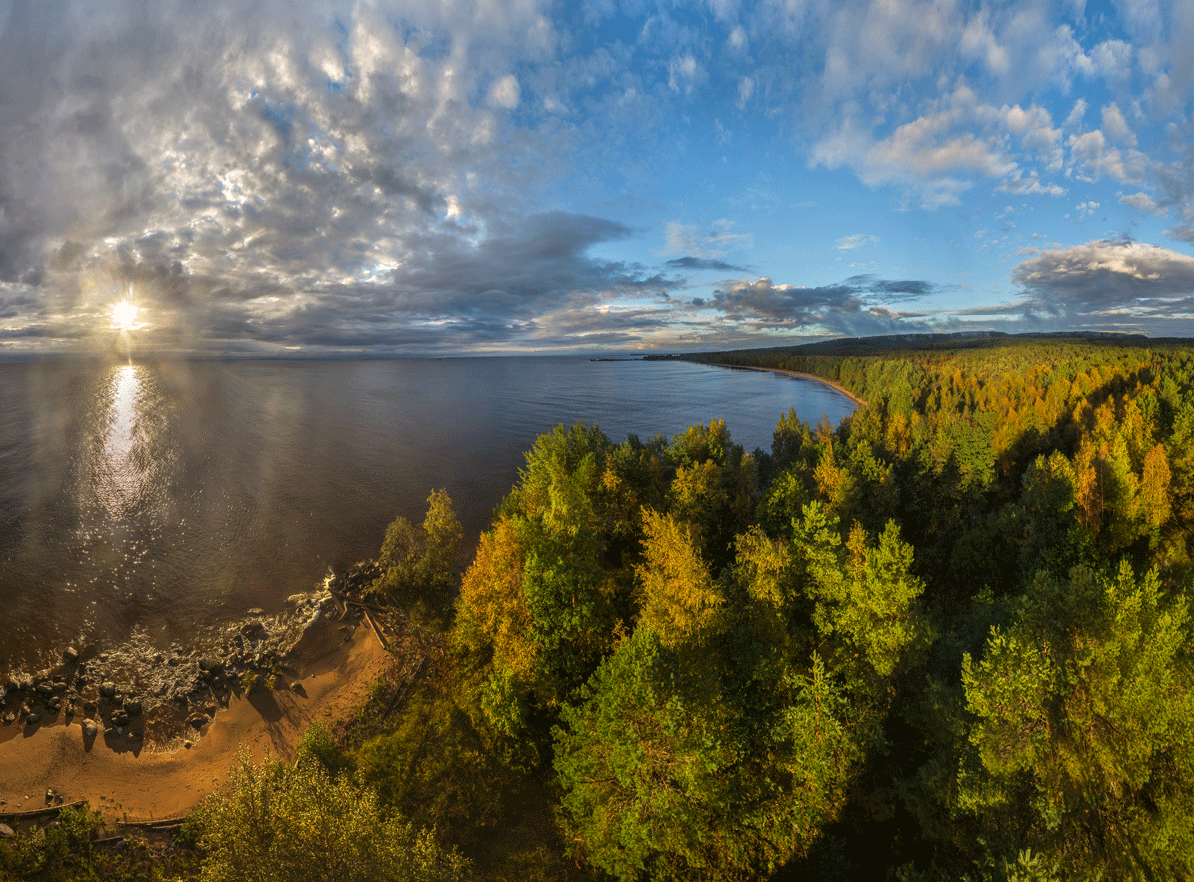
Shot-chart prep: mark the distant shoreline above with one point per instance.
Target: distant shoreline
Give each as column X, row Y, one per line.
column 837, row 387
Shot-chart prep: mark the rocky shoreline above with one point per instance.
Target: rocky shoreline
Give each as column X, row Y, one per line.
column 138, row 694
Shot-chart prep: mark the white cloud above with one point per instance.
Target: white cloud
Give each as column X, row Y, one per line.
column 684, row 74
column 858, row 240
column 1116, row 126
column 746, row 88
column 1077, row 112
column 1112, row 59
column 1143, row 203
column 1091, row 157
column 718, row 240
column 505, row 93
column 737, row 39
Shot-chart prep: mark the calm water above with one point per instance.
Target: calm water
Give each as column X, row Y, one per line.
column 167, row 497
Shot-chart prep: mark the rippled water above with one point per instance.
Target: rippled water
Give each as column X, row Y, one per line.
column 169, row 497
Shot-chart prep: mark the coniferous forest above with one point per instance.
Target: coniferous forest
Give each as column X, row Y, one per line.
column 949, row 638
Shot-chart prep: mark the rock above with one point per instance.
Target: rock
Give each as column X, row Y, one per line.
column 187, row 745
column 10, row 718
column 7, row 832
column 211, row 665
column 54, row 703
column 133, row 708
column 90, row 729
column 33, row 719
column 45, row 688
column 107, row 690
column 50, row 794
column 70, row 655
column 172, row 661
column 198, row 721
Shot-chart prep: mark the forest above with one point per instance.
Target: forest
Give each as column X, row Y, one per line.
column 949, row 638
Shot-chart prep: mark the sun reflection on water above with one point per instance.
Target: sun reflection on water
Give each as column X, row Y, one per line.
column 126, row 450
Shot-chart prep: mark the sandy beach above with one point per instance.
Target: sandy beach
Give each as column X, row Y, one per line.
column 830, row 383
column 127, row 781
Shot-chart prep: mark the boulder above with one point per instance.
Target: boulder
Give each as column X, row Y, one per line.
column 70, row 655
column 107, row 690
column 212, row 665
column 7, row 832
column 33, row 719
column 90, row 729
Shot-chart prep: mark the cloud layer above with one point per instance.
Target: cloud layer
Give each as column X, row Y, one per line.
column 421, row 177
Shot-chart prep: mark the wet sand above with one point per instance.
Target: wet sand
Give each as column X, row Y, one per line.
column 126, row 781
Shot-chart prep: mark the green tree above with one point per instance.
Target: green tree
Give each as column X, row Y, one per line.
column 297, row 823
column 416, row 562
column 679, row 600
column 1082, row 740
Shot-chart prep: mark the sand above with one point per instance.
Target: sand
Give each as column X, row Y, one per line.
column 824, row 382
column 127, row 781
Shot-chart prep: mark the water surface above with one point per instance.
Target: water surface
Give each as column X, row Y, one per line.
column 168, row 497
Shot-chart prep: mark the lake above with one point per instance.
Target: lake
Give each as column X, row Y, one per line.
column 167, row 497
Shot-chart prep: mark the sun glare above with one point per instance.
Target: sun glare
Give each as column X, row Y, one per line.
column 124, row 315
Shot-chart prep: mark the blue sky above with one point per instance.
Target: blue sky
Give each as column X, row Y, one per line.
column 431, row 178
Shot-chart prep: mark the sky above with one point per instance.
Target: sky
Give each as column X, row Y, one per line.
column 435, row 178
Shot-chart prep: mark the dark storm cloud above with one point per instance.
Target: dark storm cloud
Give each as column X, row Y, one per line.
column 851, row 307
column 1121, row 280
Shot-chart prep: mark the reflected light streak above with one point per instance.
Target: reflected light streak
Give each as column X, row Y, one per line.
column 122, row 473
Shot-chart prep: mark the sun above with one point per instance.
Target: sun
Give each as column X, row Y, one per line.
column 124, row 315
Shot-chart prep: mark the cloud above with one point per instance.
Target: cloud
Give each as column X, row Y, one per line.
column 851, row 307
column 1109, row 280
column 1116, row 126
column 1182, row 233
column 1143, row 203
column 701, row 263
column 1031, row 186
column 858, row 240
column 715, row 242
column 505, row 93
column 1091, row 157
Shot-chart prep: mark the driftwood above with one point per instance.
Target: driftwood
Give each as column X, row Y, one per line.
column 34, row 813
column 376, row 630
column 163, row 824
column 344, row 598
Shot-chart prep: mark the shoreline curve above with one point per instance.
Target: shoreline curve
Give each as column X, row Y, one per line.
column 837, row 387
column 127, row 783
